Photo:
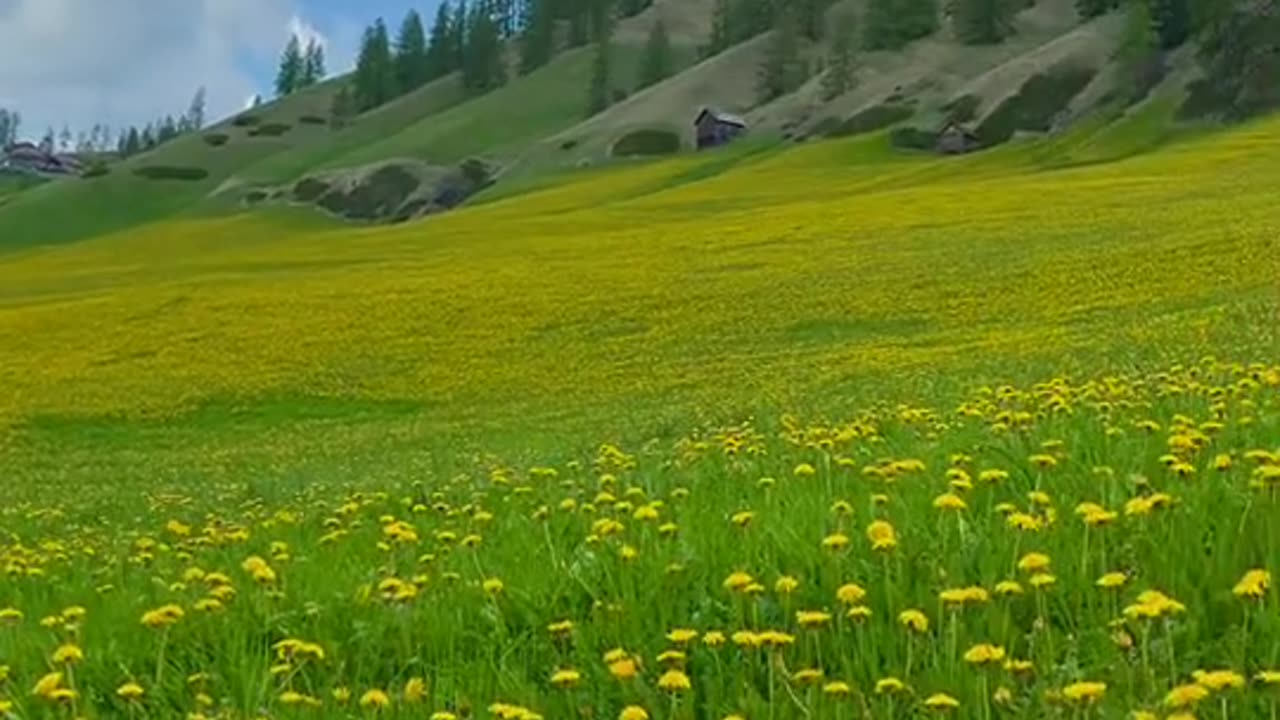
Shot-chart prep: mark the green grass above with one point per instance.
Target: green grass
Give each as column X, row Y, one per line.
column 502, row 123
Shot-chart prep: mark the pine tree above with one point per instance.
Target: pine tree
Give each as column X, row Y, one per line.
column 782, row 71
column 1088, row 9
column 412, row 66
column 374, row 79
column 342, row 109
column 656, row 65
column 1171, row 20
column 600, row 93
column 982, row 22
column 195, row 113
column 721, row 30
column 313, row 70
column 440, row 56
column 879, row 26
column 458, row 33
column 291, row 67
column 482, row 68
column 917, row 19
column 839, row 79
column 537, row 44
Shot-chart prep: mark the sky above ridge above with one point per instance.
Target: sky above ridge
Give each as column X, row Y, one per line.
column 120, row 62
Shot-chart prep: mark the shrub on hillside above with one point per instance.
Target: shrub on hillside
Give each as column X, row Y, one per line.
column 171, row 172
column 313, row 120
column 309, row 189
column 1040, row 99
column 95, row 168
column 216, row 139
column 913, row 138
column 270, row 130
column 246, row 120
column 377, row 196
column 962, row 109
column 876, row 117
column 647, row 142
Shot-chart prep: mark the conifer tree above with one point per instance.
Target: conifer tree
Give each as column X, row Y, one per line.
column 657, row 64
column 440, row 55
column 412, row 68
column 838, row 79
column 982, row 22
column 291, row 67
column 782, row 71
column 538, row 41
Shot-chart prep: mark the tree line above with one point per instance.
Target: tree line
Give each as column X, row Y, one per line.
column 100, row 138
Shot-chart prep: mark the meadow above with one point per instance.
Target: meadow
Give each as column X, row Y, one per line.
column 823, row 432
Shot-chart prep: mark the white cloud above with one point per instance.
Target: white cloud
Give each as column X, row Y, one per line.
column 128, row 61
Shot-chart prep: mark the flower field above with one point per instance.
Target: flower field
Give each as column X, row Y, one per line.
column 834, row 434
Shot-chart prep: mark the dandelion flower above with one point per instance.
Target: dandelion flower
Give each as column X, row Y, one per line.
column 1084, row 692
column 566, row 678
column 941, row 702
column 882, row 536
column 984, row 654
column 375, row 700
column 914, row 620
column 1253, row 586
column 415, row 690
column 835, row 542
column 850, row 594
column 674, row 681
column 837, row 688
column 1219, row 679
column 1185, row 696
column 1112, row 580
column 813, row 619
column 633, row 712
column 68, row 654
column 890, row 686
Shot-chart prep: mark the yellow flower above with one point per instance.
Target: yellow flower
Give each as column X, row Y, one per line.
column 674, row 681
column 890, row 686
column 1084, row 692
column 835, row 542
column 492, row 586
column 807, row 676
column 837, row 688
column 63, row 695
column 941, row 701
column 1268, row 677
column 443, row 715
column 813, row 619
column 805, row 470
column 341, row 695
column 560, row 628
column 1043, row 580
column 984, row 654
column 1008, row 588
column 858, row 613
column 1219, row 679
column 671, row 657
column 375, row 699
column 1018, row 667
column 963, row 596
column 738, row 581
column 162, row 617
column 713, row 638
column 882, row 535
column 68, row 654
column 47, row 684
column 1002, row 696
column 10, row 616
column 566, row 678
column 786, row 585
column 949, row 501
column 1034, row 562
column 742, row 519
column 633, row 712
column 850, row 594
column 682, row 636
column 1044, row 462
column 623, row 668
column 293, row 698
column 1253, row 585
column 1186, row 695
column 1112, row 580
column 1153, row 604
column 914, row 620
column 415, row 690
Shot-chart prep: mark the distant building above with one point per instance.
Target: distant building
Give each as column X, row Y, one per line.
column 955, row 139
column 25, row 157
column 715, row 128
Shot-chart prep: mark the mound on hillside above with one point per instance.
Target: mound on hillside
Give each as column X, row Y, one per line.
column 393, row 191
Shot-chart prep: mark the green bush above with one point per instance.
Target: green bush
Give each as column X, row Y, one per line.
column 216, row 139
column 313, row 120
column 962, row 109
column 913, row 138
column 246, row 120
column 95, row 169
column 170, row 172
column 876, row 117
column 1035, row 105
column 647, row 142
column 309, row 189
column 270, row 130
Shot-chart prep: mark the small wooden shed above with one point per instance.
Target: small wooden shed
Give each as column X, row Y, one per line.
column 715, row 128
column 956, row 139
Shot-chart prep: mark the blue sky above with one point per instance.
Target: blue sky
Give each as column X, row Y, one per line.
column 78, row 62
